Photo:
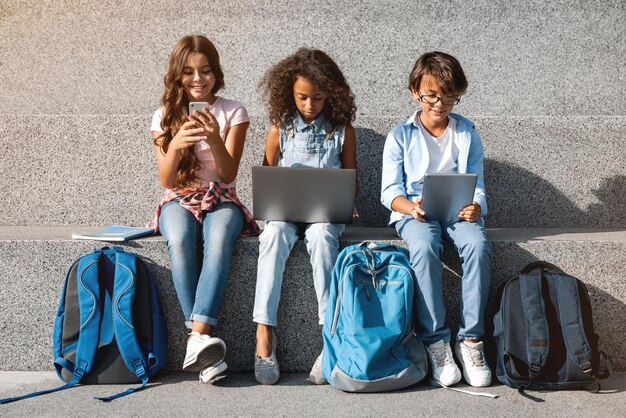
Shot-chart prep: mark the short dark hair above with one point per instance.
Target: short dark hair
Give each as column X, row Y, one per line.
column 445, row 68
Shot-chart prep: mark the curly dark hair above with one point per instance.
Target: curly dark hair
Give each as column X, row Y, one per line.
column 175, row 101
column 317, row 67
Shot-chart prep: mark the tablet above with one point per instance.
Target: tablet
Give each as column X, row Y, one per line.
column 444, row 195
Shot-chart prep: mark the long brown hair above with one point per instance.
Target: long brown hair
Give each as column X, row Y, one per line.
column 175, row 101
column 317, row 67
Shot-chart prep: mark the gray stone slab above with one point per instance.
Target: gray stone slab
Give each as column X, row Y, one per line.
column 98, row 170
column 34, row 270
column 521, row 58
column 238, row 394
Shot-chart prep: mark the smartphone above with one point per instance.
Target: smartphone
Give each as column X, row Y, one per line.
column 197, row 106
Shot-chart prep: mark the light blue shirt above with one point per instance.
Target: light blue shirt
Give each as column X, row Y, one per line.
column 405, row 162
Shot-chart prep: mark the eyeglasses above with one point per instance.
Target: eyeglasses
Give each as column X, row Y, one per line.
column 431, row 99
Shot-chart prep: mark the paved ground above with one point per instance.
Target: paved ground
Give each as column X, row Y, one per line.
column 239, row 395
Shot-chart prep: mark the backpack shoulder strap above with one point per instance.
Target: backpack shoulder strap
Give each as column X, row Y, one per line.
column 537, row 332
column 570, row 316
column 541, row 265
column 124, row 288
column 90, row 316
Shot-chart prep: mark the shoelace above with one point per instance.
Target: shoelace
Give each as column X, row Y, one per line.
column 467, row 392
column 441, row 357
column 476, row 356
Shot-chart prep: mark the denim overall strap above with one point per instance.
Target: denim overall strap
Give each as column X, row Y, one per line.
column 312, row 145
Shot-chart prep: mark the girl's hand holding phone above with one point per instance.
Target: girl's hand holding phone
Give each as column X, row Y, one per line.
column 205, row 121
column 187, row 136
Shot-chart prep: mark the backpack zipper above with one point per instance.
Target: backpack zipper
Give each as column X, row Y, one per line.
column 341, row 291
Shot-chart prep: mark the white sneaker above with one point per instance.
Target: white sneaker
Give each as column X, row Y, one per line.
column 203, row 351
column 316, row 376
column 444, row 369
column 476, row 372
column 210, row 374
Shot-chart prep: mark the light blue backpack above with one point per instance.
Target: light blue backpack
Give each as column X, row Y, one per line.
column 109, row 326
column 369, row 339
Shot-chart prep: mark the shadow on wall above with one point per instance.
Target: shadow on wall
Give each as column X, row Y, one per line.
column 520, row 199
column 517, row 197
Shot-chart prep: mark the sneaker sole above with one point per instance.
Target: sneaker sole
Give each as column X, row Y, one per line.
column 476, row 383
column 457, row 379
column 213, row 373
column 315, row 381
column 213, row 353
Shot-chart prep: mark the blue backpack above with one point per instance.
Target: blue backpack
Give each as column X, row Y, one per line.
column 369, row 339
column 109, row 326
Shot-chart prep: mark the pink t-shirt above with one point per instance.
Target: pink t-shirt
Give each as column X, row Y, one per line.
column 228, row 113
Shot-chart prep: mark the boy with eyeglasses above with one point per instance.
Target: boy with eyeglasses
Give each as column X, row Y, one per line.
column 434, row 140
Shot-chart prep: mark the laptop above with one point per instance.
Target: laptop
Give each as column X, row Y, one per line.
column 444, row 195
column 297, row 194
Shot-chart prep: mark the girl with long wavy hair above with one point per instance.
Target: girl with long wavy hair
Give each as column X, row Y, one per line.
column 311, row 109
column 200, row 216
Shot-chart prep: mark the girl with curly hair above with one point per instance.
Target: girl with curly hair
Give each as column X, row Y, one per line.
column 200, row 216
column 311, row 108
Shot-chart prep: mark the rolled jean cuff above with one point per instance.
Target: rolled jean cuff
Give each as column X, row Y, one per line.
column 469, row 337
column 202, row 318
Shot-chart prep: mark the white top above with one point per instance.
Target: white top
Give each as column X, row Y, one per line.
column 228, row 113
column 443, row 152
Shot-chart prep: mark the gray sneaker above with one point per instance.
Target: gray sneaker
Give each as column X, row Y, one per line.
column 316, row 376
column 266, row 370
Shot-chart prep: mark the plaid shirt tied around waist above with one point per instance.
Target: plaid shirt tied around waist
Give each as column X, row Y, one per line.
column 199, row 201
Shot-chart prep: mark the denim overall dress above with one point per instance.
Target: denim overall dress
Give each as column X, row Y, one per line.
column 314, row 145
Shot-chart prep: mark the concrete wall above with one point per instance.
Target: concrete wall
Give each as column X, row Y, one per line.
column 79, row 81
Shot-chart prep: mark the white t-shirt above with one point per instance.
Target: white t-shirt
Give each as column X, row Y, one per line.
column 443, row 152
column 228, row 113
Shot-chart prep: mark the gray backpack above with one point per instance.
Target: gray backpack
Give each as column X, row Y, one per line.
column 544, row 332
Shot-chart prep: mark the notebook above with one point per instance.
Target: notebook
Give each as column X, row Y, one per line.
column 297, row 194
column 444, row 195
column 115, row 233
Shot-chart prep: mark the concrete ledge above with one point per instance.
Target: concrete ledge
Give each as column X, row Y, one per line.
column 34, row 262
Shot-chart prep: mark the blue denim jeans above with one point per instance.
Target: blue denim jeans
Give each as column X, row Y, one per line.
column 425, row 241
column 200, row 256
column 275, row 244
